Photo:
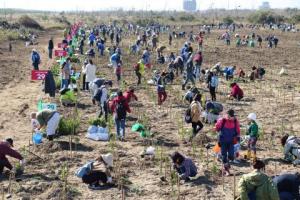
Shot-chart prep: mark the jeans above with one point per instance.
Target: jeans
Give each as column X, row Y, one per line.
column 50, row 53
column 120, row 127
column 212, row 91
column 104, row 110
column 189, row 77
column 64, row 83
column 87, row 85
column 198, row 71
column 227, row 151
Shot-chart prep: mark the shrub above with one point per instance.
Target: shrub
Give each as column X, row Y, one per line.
column 296, row 18
column 68, row 126
column 98, row 122
column 187, row 18
column 172, row 18
column 28, row 22
column 228, row 20
column 268, row 17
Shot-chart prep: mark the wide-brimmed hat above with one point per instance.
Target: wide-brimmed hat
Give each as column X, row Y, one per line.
column 108, row 159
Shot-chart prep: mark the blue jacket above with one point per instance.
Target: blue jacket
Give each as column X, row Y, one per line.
column 92, row 37
column 35, row 57
column 101, row 46
column 115, row 57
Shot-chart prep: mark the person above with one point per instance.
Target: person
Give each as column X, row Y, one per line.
column 115, row 59
column 259, row 40
column 154, row 42
column 48, row 119
column 253, row 135
column 92, row 39
column 146, row 56
column 139, row 69
column 275, row 41
column 170, row 39
column 96, row 179
column 288, row 186
column 179, row 65
column 81, row 46
column 229, row 132
column 291, row 148
column 83, row 70
column 213, row 85
column 196, row 111
column 65, row 74
column 36, row 60
column 129, row 95
column 120, row 108
column 6, row 150
column 50, row 47
column 212, row 111
column 257, row 185
column 189, row 72
column 161, row 90
column 101, row 96
column 101, row 47
column 118, row 73
column 227, row 38
column 229, row 72
column 236, row 92
column 184, row 166
column 198, row 62
column 90, row 73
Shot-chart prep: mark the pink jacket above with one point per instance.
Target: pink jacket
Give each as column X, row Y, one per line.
column 229, row 124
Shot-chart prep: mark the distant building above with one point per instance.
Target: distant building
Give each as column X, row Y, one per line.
column 265, row 5
column 189, row 5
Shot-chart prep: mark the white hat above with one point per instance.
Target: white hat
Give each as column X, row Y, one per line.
column 252, row 116
column 108, row 159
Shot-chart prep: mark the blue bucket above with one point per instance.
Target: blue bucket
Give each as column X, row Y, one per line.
column 37, row 138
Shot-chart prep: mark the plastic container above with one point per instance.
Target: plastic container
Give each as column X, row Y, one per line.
column 37, row 138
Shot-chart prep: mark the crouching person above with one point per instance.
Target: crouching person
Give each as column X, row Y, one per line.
column 98, row 173
column 48, row 119
column 6, row 150
column 288, row 186
column 291, row 146
column 184, row 166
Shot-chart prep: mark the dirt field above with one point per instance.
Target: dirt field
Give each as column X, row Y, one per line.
column 275, row 100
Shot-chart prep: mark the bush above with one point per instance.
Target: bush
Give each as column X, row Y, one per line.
column 68, row 126
column 172, row 18
column 28, row 22
column 98, row 122
column 267, row 17
column 187, row 18
column 228, row 20
column 296, row 18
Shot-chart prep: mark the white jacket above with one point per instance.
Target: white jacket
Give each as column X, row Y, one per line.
column 90, row 71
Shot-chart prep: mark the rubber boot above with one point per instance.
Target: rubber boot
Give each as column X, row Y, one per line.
column 225, row 170
column 248, row 155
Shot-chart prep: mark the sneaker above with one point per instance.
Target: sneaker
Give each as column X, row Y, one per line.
column 236, row 162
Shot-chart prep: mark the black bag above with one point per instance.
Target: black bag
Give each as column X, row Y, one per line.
column 188, row 116
column 98, row 94
column 121, row 109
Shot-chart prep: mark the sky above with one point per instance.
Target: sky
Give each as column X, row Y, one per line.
column 93, row 5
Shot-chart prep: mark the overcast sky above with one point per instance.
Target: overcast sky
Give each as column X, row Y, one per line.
column 92, row 5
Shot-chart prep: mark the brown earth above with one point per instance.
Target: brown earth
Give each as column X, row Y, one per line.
column 275, row 100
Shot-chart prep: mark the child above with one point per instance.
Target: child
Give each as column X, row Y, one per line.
column 34, row 122
column 161, row 91
column 185, row 167
column 118, row 72
column 253, row 134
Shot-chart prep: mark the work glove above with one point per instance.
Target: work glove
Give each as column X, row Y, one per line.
column 109, row 179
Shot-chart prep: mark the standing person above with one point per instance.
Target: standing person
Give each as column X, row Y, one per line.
column 90, row 73
column 227, row 38
column 120, row 108
column 275, row 40
column 213, row 85
column 257, row 185
column 83, row 70
column 81, row 45
column 229, row 132
column 92, row 39
column 48, row 119
column 252, row 132
column 198, row 59
column 189, row 72
column 199, row 39
column 184, row 166
column 170, row 39
column 139, row 69
column 65, row 74
column 129, row 95
column 236, row 92
column 161, row 90
column 6, row 150
column 288, row 186
column 36, row 59
column 146, row 56
column 118, row 73
column 154, row 42
column 115, row 59
column 196, row 111
column 50, row 47
column 259, row 40
column 101, row 47
column 101, row 96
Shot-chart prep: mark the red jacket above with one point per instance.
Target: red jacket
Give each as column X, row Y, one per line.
column 5, row 149
column 236, row 91
column 116, row 100
column 129, row 95
column 197, row 58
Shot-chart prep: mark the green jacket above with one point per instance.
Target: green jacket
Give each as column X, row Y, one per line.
column 253, row 130
column 265, row 188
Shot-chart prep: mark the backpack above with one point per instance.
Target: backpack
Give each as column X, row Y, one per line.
column 226, row 137
column 188, row 116
column 121, row 109
column 98, row 94
column 84, row 170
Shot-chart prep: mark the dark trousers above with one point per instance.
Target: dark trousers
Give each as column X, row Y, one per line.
column 4, row 163
column 35, row 66
column 104, row 110
column 139, row 76
column 227, row 151
column 87, row 85
column 212, row 91
column 197, row 126
column 50, row 53
column 83, row 82
column 95, row 177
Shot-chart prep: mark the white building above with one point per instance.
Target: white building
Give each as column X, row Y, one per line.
column 265, row 5
column 189, row 5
